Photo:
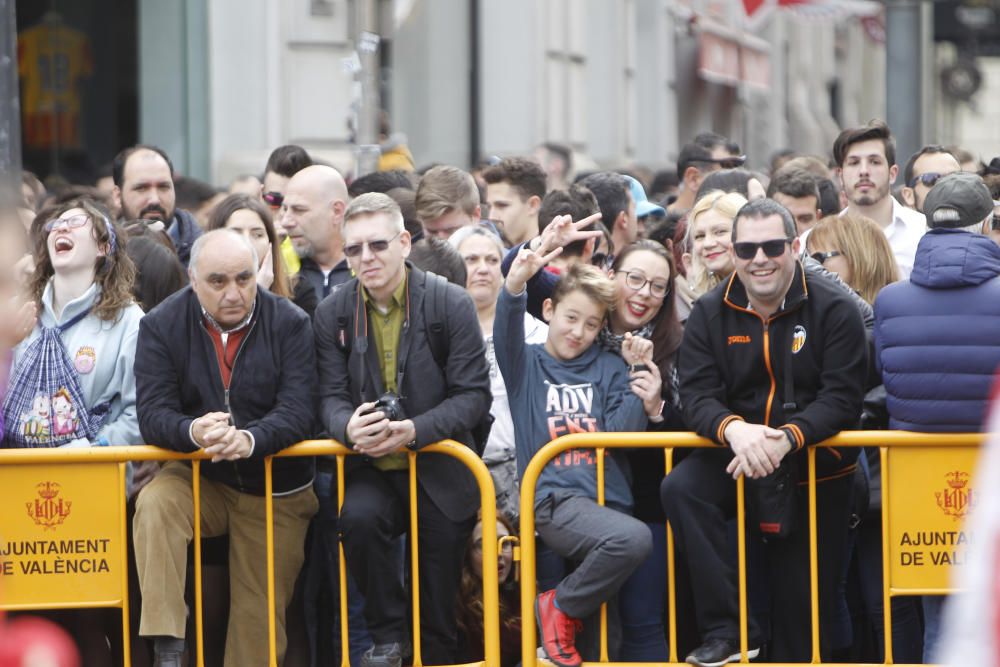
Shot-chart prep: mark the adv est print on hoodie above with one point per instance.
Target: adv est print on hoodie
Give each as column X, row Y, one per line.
column 550, row 398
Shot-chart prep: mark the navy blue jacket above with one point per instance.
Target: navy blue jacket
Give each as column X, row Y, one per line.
column 183, row 230
column 552, row 397
column 937, row 337
column 271, row 392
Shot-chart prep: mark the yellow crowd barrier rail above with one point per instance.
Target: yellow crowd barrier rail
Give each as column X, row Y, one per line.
column 68, row 548
column 926, row 476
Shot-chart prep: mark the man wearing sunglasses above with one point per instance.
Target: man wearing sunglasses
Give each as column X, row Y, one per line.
column 922, row 172
column 707, row 153
column 773, row 361
column 387, row 389
column 283, row 163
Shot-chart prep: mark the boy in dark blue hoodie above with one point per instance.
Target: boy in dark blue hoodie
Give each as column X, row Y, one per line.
column 570, row 385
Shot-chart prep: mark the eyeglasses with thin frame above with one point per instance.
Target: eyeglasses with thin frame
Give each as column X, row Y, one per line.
column 72, row 222
column 636, row 281
column 748, row 249
column 821, row 257
column 377, row 246
column 274, row 199
column 929, row 179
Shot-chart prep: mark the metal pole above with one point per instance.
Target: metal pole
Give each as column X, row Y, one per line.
column 367, row 43
column 904, row 44
column 10, row 108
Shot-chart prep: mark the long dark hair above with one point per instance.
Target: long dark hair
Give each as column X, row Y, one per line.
column 469, row 616
column 114, row 272
column 281, row 286
column 158, row 271
column 667, row 330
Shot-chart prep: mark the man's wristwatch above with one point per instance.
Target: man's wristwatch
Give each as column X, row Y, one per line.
column 791, row 439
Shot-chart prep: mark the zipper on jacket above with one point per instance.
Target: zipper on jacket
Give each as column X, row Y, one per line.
column 232, row 378
column 770, row 371
column 225, row 390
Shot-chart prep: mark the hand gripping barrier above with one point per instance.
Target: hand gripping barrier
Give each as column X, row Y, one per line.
column 945, row 459
column 52, row 485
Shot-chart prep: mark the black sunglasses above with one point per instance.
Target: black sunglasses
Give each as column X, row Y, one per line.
column 928, row 179
column 728, row 162
column 748, row 249
column 381, row 245
column 274, row 199
column 821, row 257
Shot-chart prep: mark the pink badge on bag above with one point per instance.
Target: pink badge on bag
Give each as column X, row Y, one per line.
column 85, row 360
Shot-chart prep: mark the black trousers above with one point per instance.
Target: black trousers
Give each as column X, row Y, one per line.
column 375, row 513
column 699, row 497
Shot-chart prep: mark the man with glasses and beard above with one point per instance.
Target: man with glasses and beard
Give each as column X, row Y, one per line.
column 386, row 388
column 772, row 362
column 144, row 189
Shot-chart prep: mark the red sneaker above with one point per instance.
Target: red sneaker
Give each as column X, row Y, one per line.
column 558, row 631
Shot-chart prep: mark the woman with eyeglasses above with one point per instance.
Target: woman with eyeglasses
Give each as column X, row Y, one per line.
column 855, row 248
column 248, row 216
column 82, row 287
column 644, row 275
column 81, row 267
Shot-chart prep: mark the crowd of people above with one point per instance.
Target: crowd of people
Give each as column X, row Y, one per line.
column 503, row 307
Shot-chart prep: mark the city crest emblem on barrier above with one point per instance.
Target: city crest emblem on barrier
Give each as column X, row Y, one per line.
column 48, row 510
column 956, row 500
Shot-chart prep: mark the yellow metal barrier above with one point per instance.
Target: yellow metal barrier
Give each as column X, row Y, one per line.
column 928, row 443
column 13, row 461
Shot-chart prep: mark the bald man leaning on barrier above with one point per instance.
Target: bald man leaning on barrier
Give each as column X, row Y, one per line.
column 228, row 368
column 312, row 214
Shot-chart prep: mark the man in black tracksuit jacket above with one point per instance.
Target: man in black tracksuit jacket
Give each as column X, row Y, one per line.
column 772, row 361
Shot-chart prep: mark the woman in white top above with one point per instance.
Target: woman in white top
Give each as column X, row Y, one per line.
column 482, row 250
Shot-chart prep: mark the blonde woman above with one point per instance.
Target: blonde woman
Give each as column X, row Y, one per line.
column 709, row 237
column 856, row 249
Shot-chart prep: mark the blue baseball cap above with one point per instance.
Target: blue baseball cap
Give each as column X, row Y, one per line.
column 643, row 206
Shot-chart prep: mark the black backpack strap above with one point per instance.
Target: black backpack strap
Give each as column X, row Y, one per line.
column 343, row 311
column 436, row 325
column 435, row 319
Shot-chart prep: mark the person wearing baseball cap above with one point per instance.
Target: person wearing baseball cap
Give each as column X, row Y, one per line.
column 941, row 324
column 959, row 201
column 645, row 210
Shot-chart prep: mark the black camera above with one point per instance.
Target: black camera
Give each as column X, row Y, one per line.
column 388, row 404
